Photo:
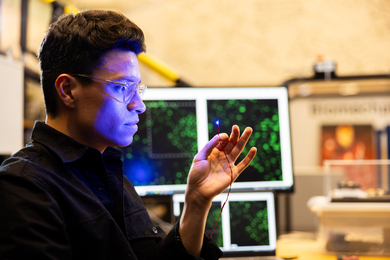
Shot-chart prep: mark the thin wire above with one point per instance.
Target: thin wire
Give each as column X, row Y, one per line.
column 230, row 187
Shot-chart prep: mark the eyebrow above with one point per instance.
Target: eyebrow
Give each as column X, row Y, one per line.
column 131, row 79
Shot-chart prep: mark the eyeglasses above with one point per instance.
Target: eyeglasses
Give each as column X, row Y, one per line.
column 127, row 89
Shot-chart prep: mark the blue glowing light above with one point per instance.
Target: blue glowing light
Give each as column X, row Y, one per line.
column 138, row 172
column 217, row 122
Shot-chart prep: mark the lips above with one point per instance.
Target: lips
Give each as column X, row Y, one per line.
column 132, row 123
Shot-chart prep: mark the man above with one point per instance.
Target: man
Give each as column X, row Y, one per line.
column 64, row 195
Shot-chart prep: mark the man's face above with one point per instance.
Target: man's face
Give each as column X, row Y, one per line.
column 103, row 120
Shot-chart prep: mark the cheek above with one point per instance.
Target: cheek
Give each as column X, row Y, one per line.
column 90, row 105
column 102, row 118
column 108, row 117
column 92, row 113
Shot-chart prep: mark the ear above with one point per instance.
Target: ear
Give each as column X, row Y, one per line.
column 65, row 86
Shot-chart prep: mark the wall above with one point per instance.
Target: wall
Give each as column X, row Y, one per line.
column 11, row 105
column 259, row 42
column 250, row 42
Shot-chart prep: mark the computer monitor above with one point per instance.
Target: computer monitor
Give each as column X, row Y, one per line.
column 179, row 121
column 247, row 225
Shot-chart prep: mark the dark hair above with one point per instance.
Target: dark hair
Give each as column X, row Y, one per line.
column 76, row 43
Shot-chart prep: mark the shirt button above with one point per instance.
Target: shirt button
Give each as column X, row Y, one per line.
column 155, row 230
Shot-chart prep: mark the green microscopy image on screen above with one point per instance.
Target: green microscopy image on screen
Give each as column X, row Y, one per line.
column 210, row 223
column 249, row 223
column 263, row 117
column 164, row 146
column 214, row 212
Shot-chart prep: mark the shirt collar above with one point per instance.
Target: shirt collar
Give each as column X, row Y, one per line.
column 68, row 149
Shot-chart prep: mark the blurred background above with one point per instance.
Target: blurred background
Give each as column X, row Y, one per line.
column 219, row 43
column 333, row 56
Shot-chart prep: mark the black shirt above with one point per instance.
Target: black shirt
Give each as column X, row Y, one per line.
column 60, row 199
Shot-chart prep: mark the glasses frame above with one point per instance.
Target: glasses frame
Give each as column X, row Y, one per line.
column 131, row 87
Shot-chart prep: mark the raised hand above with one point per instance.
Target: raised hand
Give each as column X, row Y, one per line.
column 210, row 173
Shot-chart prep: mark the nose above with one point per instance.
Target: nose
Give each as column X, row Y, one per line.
column 136, row 104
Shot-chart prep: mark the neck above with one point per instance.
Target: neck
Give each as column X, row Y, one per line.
column 68, row 127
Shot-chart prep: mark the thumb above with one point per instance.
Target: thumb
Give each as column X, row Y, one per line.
column 210, row 145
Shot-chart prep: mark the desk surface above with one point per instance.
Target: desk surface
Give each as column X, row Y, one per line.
column 309, row 250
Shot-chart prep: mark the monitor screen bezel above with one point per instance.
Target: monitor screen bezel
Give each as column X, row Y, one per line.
column 201, row 95
column 228, row 249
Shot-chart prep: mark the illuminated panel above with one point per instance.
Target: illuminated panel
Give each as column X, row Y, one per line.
column 210, row 223
column 250, row 218
column 211, row 219
column 180, row 121
column 263, row 117
column 247, row 223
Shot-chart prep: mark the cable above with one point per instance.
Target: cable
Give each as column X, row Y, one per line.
column 231, row 181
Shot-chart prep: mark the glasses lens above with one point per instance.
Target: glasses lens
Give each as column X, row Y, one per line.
column 141, row 90
column 131, row 90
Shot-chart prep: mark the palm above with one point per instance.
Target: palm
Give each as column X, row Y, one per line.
column 211, row 176
column 212, row 172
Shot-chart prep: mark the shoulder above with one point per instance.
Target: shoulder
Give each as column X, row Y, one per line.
column 30, row 163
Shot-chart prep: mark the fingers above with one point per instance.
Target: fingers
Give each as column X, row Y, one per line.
column 208, row 148
column 247, row 160
column 235, row 144
column 228, row 144
column 240, row 145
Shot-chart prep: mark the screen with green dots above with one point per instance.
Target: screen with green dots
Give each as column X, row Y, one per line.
column 178, row 122
column 247, row 223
